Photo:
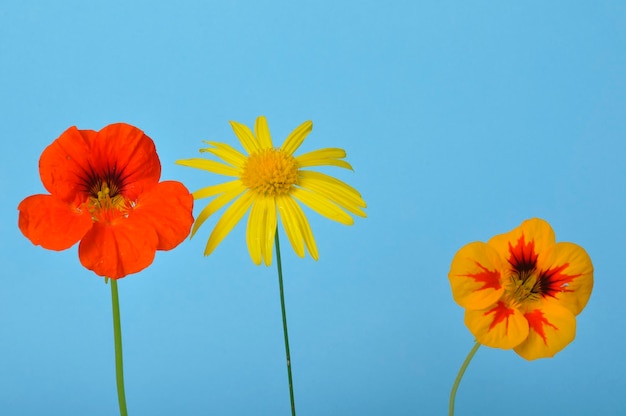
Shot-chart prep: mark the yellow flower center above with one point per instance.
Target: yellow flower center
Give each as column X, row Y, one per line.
column 270, row 172
column 525, row 287
column 105, row 197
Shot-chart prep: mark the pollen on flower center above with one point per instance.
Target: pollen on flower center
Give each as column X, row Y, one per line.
column 525, row 287
column 270, row 172
column 105, row 196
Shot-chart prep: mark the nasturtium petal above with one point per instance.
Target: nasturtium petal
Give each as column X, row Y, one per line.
column 535, row 234
column 52, row 223
column 167, row 207
column 497, row 326
column 552, row 328
column 568, row 273
column 296, row 137
column 114, row 250
column 476, row 276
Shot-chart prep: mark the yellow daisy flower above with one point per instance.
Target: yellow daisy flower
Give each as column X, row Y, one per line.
column 270, row 181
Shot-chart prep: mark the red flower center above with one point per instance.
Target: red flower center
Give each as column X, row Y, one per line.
column 105, row 195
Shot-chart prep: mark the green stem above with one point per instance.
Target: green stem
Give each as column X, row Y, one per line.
column 460, row 376
column 282, row 306
column 119, row 365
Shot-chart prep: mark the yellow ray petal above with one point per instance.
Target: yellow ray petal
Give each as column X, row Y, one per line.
column 324, row 157
column 296, row 137
column 476, row 276
column 261, row 230
column 334, row 190
column 227, row 222
column 247, row 139
column 217, row 189
column 498, row 326
column 322, row 206
column 216, row 204
column 227, row 153
column 262, row 131
column 552, row 328
column 289, row 219
column 209, row 165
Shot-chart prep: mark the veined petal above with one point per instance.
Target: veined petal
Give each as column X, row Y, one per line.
column 476, row 276
column 296, row 226
column 227, row 153
column 261, row 230
column 116, row 250
column 333, row 189
column 167, row 207
column 567, row 275
column 52, row 223
column 210, row 166
column 262, row 131
column 247, row 139
column 324, row 157
column 322, row 206
column 217, row 189
column 296, row 137
column 229, row 219
column 497, row 326
column 213, row 206
column 552, row 328
column 523, row 243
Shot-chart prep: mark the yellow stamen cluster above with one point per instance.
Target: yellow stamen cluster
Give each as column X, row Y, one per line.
column 270, row 172
column 523, row 288
column 105, row 197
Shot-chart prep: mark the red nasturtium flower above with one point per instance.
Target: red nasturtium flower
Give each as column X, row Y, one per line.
column 105, row 192
column 522, row 289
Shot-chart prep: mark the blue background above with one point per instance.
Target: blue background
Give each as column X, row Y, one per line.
column 461, row 119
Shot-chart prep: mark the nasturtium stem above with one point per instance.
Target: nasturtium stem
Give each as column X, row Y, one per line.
column 282, row 307
column 119, row 362
column 460, row 376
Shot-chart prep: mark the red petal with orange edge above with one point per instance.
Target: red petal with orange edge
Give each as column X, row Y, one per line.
column 118, row 250
column 168, row 209
column 51, row 223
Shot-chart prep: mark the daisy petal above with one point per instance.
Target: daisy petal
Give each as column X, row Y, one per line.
column 215, row 205
column 296, row 137
column 227, row 222
column 324, row 157
column 293, row 216
column 322, row 206
column 334, row 190
column 262, row 131
column 227, row 153
column 210, row 166
column 247, row 139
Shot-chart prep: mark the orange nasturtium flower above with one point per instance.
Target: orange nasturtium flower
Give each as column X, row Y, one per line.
column 522, row 289
column 270, row 181
column 105, row 192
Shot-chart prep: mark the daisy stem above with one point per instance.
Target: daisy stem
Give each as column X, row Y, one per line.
column 460, row 376
column 282, row 306
column 119, row 365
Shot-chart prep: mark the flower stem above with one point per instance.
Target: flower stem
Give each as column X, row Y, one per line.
column 460, row 376
column 119, row 365
column 282, row 306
